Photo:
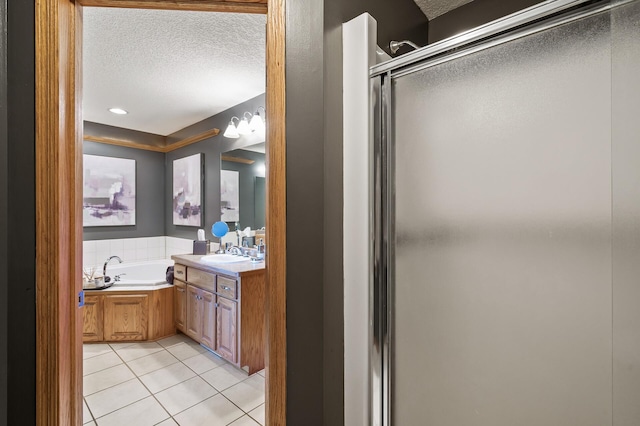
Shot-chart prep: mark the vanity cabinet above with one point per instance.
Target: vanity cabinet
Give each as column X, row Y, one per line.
column 128, row 315
column 200, row 315
column 226, row 325
column 180, row 297
column 225, row 312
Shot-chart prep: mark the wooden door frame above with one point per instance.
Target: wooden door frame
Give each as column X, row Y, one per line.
column 59, row 200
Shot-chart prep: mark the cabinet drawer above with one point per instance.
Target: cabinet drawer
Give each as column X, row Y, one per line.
column 180, row 272
column 227, row 287
column 202, row 279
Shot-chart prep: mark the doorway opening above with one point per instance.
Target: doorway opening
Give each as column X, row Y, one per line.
column 59, row 138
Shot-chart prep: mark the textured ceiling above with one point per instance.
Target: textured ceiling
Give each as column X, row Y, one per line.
column 434, row 8
column 169, row 69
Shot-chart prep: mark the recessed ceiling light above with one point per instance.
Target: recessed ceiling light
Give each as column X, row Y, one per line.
column 119, row 111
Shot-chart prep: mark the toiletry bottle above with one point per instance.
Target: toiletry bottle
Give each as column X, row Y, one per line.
column 261, row 250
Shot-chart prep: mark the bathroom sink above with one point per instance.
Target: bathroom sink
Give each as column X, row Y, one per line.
column 223, row 258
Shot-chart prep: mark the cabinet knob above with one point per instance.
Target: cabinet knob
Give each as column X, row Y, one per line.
column 216, row 305
column 224, row 287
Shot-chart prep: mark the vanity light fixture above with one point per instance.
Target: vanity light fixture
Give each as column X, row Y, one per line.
column 118, row 111
column 257, row 124
column 243, row 126
column 232, row 131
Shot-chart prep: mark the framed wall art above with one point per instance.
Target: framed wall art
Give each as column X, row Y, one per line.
column 187, row 191
column 229, row 196
column 109, row 191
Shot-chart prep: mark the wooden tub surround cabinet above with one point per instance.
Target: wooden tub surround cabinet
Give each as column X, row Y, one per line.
column 223, row 308
column 128, row 315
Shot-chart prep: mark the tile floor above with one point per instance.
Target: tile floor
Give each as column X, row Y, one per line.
column 174, row 381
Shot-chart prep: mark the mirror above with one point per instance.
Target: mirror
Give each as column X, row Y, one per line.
column 242, row 187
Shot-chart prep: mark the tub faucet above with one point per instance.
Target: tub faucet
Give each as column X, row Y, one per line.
column 104, row 268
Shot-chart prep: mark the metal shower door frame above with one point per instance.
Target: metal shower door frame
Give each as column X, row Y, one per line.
column 529, row 21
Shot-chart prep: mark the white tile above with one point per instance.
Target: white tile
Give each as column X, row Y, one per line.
column 244, row 421
column 155, row 242
column 186, row 350
column 89, row 259
column 86, row 414
column 146, row 412
column 142, row 254
column 258, row 414
column 107, row 378
column 138, row 350
column 116, row 247
column 184, row 395
column 116, row 397
column 224, row 377
column 215, row 411
column 168, row 422
column 204, row 362
column 100, row 362
column 166, row 377
column 101, row 257
column 176, row 339
column 103, row 245
column 89, row 246
column 89, row 350
column 142, row 243
column 156, row 253
column 91, row 423
column 149, row 363
column 262, row 373
column 248, row 394
column 129, row 254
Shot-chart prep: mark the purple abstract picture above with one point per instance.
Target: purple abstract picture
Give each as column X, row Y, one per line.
column 109, row 194
column 187, row 191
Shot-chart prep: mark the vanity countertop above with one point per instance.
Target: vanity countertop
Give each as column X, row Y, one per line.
column 232, row 269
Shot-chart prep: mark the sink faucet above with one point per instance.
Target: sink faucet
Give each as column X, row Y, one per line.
column 235, row 250
column 104, row 268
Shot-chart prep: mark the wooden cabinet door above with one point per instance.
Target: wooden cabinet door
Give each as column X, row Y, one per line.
column 226, row 326
column 180, row 301
column 208, row 318
column 92, row 322
column 125, row 317
column 194, row 317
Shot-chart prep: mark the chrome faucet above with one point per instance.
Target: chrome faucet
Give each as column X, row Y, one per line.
column 235, row 250
column 104, row 268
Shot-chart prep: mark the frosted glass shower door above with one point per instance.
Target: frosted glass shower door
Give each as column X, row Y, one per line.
column 501, row 283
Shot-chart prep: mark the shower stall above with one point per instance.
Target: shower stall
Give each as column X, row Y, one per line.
column 506, row 258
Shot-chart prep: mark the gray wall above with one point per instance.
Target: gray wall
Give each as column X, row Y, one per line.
column 396, row 20
column 472, row 15
column 211, row 148
column 4, row 210
column 17, row 217
column 248, row 174
column 150, row 193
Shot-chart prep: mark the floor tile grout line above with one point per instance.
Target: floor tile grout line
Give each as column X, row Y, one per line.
column 124, row 406
column 90, row 412
column 182, row 361
column 145, row 386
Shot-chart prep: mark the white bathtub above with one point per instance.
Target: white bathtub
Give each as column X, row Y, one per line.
column 134, row 274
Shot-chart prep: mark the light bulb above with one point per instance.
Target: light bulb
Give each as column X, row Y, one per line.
column 231, row 132
column 256, row 124
column 243, row 127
